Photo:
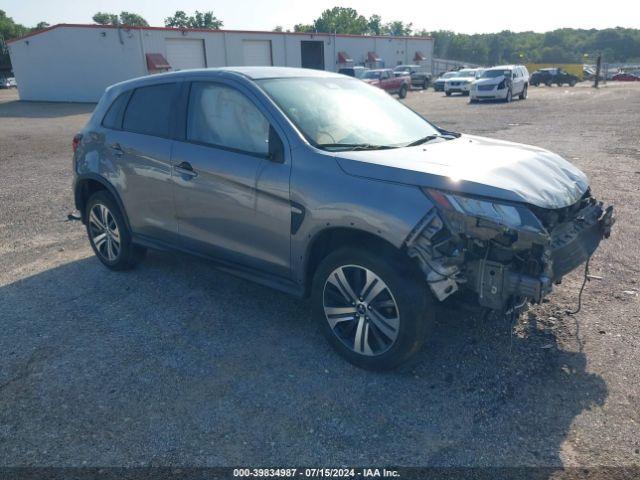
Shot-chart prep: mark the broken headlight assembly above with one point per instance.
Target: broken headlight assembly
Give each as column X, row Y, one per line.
column 501, row 215
column 496, row 249
column 503, row 252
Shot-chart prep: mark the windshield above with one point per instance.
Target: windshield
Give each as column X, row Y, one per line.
column 449, row 74
column 495, row 73
column 371, row 74
column 466, row 73
column 343, row 112
column 402, row 69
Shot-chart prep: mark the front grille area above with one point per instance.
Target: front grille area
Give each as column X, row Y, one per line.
column 550, row 218
column 486, row 88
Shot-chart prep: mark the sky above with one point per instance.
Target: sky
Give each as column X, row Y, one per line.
column 464, row 16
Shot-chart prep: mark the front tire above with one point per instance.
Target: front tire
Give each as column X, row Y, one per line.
column 374, row 309
column 448, row 94
column 108, row 234
column 523, row 94
column 509, row 96
column 403, row 91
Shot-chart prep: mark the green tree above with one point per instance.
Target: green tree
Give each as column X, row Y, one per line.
column 277, row 28
column 375, row 25
column 9, row 29
column 303, row 27
column 398, row 28
column 132, row 20
column 104, row 18
column 341, row 20
column 125, row 19
column 206, row 20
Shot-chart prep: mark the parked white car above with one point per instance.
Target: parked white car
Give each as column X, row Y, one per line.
column 501, row 83
column 9, row 82
column 461, row 82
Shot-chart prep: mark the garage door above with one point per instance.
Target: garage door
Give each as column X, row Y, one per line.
column 257, row 52
column 183, row 53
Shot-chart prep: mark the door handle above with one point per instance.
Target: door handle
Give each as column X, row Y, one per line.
column 185, row 168
column 117, row 149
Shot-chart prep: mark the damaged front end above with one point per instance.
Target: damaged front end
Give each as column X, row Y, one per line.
column 503, row 252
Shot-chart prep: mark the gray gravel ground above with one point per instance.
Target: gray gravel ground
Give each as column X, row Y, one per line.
column 175, row 363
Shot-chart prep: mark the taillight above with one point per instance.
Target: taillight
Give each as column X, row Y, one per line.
column 76, row 142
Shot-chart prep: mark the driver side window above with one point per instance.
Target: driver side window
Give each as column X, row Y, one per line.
column 224, row 117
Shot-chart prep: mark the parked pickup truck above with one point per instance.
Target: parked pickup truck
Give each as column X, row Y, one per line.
column 419, row 76
column 385, row 79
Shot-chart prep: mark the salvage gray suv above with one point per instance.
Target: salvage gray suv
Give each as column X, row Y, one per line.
column 319, row 184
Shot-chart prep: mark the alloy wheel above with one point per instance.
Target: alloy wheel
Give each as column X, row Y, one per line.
column 104, row 232
column 361, row 310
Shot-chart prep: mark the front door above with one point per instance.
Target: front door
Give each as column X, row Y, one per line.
column 231, row 201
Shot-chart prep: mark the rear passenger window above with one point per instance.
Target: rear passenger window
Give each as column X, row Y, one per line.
column 113, row 118
column 149, row 110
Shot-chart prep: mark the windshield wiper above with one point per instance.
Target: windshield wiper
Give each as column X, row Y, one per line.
column 422, row 140
column 355, row 146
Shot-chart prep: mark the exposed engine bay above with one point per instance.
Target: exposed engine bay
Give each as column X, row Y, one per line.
column 502, row 252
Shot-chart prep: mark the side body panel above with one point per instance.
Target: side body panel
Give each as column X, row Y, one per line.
column 333, row 199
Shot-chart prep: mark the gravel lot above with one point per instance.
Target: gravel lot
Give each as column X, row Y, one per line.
column 175, row 363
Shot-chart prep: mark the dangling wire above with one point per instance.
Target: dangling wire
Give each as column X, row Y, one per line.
column 584, row 283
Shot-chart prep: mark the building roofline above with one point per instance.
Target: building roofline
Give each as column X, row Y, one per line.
column 206, row 30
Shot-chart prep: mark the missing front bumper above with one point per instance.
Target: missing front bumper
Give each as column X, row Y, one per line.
column 571, row 245
column 497, row 280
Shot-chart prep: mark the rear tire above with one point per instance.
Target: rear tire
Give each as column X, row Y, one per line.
column 382, row 307
column 108, row 234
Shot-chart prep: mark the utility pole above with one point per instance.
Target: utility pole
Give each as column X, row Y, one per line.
column 598, row 67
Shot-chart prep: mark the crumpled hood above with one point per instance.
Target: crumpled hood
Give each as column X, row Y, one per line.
column 477, row 166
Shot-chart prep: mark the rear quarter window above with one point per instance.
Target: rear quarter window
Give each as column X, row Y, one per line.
column 113, row 117
column 149, row 110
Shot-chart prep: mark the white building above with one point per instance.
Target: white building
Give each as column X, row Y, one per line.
column 77, row 62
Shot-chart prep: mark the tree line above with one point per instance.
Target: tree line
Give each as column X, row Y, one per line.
column 566, row 45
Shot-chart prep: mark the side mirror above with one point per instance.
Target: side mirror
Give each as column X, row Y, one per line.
column 276, row 148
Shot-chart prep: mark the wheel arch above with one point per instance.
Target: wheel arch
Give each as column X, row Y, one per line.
column 86, row 185
column 329, row 239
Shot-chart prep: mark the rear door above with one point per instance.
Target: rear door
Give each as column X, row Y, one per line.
column 231, row 201
column 140, row 147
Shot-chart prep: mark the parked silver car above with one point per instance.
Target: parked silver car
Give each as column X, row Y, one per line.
column 319, row 184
